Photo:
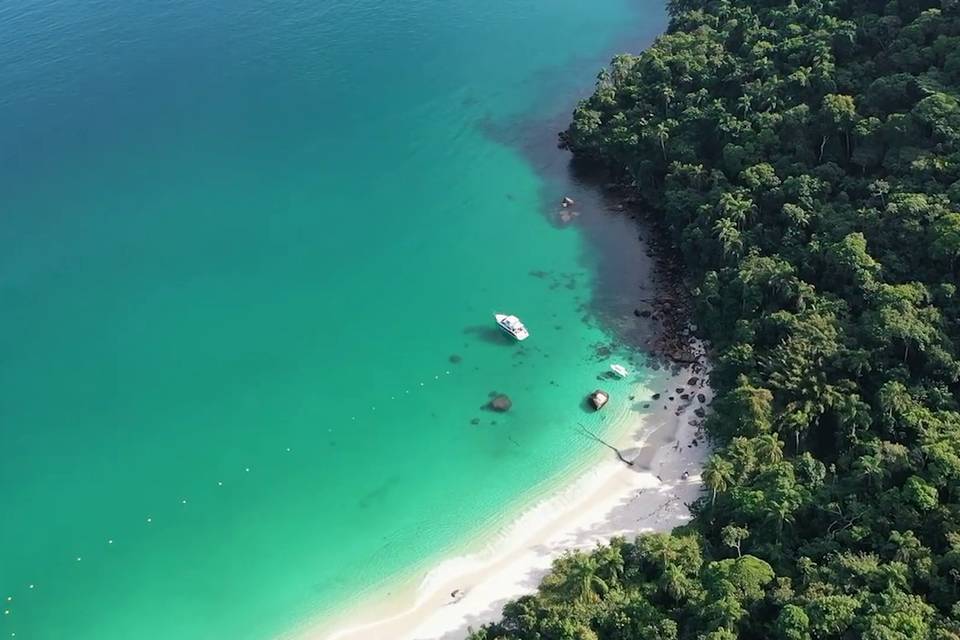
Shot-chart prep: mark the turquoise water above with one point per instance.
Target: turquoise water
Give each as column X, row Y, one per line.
column 249, row 254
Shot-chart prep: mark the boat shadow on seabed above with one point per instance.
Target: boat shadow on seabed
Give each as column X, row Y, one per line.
column 490, row 335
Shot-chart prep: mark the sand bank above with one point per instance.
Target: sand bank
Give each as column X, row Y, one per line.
column 610, row 499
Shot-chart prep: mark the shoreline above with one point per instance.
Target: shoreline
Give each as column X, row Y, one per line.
column 604, row 498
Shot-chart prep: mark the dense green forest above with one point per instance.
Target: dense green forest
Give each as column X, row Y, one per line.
column 804, row 159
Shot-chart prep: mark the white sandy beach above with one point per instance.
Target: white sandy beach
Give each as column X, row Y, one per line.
column 609, row 499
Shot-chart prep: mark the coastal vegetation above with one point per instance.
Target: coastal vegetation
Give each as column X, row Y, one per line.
column 804, row 160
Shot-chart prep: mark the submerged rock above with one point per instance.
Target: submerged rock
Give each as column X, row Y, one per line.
column 501, row 402
column 455, row 359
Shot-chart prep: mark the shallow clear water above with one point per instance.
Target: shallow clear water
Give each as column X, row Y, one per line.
column 240, row 243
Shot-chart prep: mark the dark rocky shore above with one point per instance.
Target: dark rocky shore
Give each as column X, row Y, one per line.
column 664, row 308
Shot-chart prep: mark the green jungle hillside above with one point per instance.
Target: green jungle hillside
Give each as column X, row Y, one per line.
column 803, row 159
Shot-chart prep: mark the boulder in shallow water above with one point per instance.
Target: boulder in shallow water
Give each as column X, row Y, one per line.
column 501, row 402
column 598, row 398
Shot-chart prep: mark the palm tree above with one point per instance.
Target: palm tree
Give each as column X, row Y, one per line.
column 745, row 103
column 663, row 134
column 871, row 469
column 660, row 547
column 774, row 102
column 674, row 583
column 668, row 95
column 782, row 510
column 577, row 578
column 769, row 449
column 736, row 207
column 879, row 189
column 729, row 236
column 717, row 474
column 589, row 585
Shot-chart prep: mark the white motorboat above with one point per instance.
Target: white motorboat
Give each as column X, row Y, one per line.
column 620, row 370
column 512, row 325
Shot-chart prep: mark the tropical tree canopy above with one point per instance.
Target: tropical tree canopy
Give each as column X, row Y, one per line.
column 803, row 158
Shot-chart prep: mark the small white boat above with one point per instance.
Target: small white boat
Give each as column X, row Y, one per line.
column 620, row 370
column 512, row 325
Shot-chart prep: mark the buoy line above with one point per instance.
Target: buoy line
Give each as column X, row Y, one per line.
column 9, row 613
